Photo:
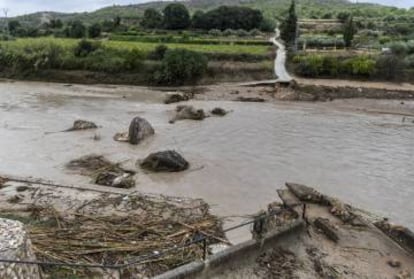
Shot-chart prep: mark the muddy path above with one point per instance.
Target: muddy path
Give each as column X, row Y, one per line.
column 237, row 161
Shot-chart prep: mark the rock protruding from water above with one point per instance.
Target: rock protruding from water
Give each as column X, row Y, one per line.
column 250, row 99
column 139, row 129
column 79, row 125
column 115, row 179
column 219, row 111
column 15, row 244
column 165, row 161
column 188, row 112
column 176, row 97
column 103, row 172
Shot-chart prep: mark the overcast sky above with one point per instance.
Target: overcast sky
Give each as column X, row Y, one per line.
column 18, row 7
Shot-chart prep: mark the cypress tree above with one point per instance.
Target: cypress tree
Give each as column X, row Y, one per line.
column 288, row 28
column 349, row 31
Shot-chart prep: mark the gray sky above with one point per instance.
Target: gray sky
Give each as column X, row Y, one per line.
column 18, row 7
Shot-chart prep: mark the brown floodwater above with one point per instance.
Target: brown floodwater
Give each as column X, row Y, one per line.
column 237, row 162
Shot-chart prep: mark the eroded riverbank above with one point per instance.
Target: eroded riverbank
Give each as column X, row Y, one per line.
column 237, row 161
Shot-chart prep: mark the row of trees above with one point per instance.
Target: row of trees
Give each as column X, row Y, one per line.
column 72, row 29
column 176, row 16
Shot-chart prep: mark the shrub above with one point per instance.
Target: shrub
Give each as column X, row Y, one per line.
column 214, row 32
column 409, row 61
column 242, row 33
column 361, row 66
column 399, row 48
column 229, row 32
column 181, row 66
column 158, row 53
column 388, row 67
column 255, row 32
column 310, row 66
column 85, row 47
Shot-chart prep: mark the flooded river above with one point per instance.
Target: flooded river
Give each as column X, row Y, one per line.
column 238, row 161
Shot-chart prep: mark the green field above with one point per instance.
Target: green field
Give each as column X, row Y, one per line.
column 141, row 46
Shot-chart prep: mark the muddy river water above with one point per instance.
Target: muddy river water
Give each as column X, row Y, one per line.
column 238, row 161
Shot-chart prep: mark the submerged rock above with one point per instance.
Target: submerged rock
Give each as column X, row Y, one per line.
column 175, row 97
column 165, row 161
column 250, row 99
column 219, row 111
column 139, row 129
column 188, row 112
column 115, row 179
column 90, row 164
column 82, row 125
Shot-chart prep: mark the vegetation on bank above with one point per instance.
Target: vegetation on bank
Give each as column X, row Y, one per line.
column 170, row 64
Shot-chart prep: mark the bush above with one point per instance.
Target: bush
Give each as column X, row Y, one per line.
column 332, row 66
column 310, row 66
column 33, row 58
column 398, row 48
column 389, row 67
column 85, row 47
column 181, row 66
column 158, row 53
column 242, row 33
column 255, row 32
column 362, row 66
column 409, row 61
column 229, row 32
column 214, row 32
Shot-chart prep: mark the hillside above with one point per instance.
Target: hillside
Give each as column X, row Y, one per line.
column 271, row 9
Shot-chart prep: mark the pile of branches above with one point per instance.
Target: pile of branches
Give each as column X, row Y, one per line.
column 113, row 240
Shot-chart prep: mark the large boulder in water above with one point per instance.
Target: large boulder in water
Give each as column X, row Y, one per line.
column 165, row 161
column 139, row 129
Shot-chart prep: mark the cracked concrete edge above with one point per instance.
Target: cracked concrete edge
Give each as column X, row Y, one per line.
column 231, row 254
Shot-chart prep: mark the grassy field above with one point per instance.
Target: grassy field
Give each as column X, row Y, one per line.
column 142, row 46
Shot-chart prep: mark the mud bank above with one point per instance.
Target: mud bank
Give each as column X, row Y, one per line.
column 327, row 93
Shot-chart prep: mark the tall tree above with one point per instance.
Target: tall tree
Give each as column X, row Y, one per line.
column 76, row 29
column 349, row 31
column 94, row 31
column 288, row 28
column 152, row 19
column 176, row 16
column 14, row 26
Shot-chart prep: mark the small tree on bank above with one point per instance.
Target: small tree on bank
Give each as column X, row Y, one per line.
column 349, row 31
column 288, row 28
